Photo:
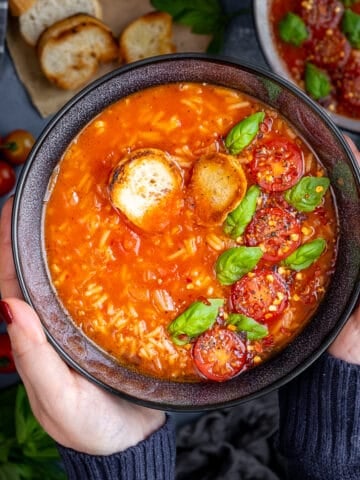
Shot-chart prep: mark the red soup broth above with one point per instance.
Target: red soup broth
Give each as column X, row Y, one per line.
column 123, row 287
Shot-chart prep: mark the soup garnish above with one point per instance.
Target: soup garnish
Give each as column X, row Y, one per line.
column 190, row 232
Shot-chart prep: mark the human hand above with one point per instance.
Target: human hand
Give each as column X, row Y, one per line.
column 346, row 345
column 75, row 412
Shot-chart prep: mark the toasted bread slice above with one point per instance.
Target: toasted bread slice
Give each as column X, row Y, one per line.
column 218, row 184
column 18, row 7
column 147, row 36
column 144, row 187
column 44, row 13
column 71, row 50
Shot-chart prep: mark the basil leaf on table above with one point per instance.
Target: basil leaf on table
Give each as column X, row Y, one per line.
column 317, row 82
column 254, row 330
column 350, row 26
column 292, row 29
column 305, row 255
column 235, row 262
column 243, row 133
column 194, row 320
column 238, row 219
column 307, row 194
column 203, row 17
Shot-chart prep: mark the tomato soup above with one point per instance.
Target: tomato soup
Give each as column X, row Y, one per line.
column 235, row 254
column 318, row 41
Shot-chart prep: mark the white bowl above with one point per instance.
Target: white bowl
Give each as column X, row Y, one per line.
column 261, row 10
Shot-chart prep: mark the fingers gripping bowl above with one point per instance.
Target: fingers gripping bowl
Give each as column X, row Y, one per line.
column 88, row 262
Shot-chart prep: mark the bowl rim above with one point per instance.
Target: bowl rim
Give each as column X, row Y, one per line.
column 223, row 60
column 260, row 9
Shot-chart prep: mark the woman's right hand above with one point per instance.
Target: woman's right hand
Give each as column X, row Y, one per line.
column 347, row 344
column 75, row 412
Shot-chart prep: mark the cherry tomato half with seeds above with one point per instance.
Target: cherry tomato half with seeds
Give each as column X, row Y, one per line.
column 329, row 49
column 261, row 295
column 275, row 231
column 277, row 165
column 219, row 354
column 350, row 88
column 322, row 13
column 7, row 178
column 16, row 146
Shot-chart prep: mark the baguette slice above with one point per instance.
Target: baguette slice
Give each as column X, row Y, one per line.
column 44, row 13
column 18, row 7
column 218, row 184
column 71, row 50
column 144, row 187
column 147, row 36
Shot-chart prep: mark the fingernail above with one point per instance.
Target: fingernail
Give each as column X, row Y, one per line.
column 5, row 313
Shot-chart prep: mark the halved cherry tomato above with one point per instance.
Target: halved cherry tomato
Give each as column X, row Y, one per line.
column 261, row 295
column 275, row 231
column 219, row 354
column 277, row 165
column 329, row 49
column 7, row 178
column 350, row 89
column 16, row 146
column 322, row 13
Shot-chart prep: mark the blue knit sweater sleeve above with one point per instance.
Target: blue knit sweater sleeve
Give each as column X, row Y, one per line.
column 320, row 422
column 151, row 459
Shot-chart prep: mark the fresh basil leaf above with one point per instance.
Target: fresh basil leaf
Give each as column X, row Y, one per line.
column 307, row 194
column 317, row 82
column 194, row 320
column 236, row 262
column 349, row 3
column 305, row 255
column 243, row 133
column 238, row 219
column 254, row 330
column 292, row 29
column 350, row 26
column 10, row 471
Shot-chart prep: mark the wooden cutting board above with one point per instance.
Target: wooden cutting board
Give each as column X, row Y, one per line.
column 47, row 98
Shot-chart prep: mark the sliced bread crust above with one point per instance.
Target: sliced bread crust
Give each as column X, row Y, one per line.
column 44, row 13
column 71, row 50
column 147, row 36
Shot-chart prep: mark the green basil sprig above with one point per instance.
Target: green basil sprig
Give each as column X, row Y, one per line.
column 349, row 3
column 254, row 330
column 350, row 26
column 195, row 320
column 305, row 255
column 243, row 133
column 317, row 82
column 238, row 219
column 236, row 262
column 307, row 194
column 292, row 29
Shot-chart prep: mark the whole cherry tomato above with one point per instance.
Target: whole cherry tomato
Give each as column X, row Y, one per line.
column 16, row 146
column 7, row 364
column 7, row 177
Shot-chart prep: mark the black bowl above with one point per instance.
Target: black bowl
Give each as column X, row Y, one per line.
column 318, row 131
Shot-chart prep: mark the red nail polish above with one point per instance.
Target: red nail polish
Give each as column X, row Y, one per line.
column 5, row 313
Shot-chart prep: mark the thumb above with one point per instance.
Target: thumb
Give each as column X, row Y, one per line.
column 39, row 366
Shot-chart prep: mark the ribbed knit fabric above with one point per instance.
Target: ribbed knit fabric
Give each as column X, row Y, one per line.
column 151, row 459
column 320, row 422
